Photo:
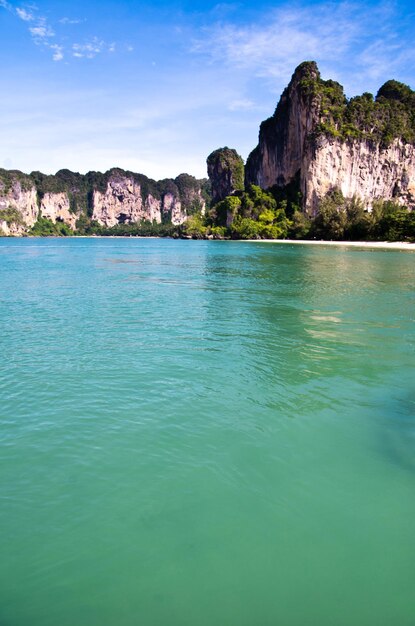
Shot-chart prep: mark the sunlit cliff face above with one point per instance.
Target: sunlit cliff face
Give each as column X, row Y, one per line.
column 299, row 142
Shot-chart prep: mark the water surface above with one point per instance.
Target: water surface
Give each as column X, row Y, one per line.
column 203, row 433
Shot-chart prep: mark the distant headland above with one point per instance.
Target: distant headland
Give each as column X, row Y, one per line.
column 325, row 167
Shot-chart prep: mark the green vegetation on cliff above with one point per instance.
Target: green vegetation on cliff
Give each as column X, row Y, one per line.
column 251, row 214
column 341, row 219
column 11, row 216
column 256, row 214
column 46, row 228
column 389, row 116
column 80, row 190
column 226, row 173
column 8, row 178
column 191, row 193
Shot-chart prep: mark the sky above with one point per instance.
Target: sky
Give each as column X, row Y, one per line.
column 155, row 87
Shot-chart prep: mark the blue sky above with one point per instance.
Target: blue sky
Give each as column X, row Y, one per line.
column 155, row 87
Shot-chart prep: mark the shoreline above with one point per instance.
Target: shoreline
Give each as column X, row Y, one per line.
column 388, row 245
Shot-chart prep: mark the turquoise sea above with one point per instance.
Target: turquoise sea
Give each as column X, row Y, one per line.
column 206, row 433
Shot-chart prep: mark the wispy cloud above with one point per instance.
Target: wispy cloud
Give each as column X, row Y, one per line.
column 57, row 52
column 43, row 34
column 67, row 20
column 24, row 15
column 90, row 49
column 284, row 35
column 387, row 56
column 334, row 34
column 39, row 30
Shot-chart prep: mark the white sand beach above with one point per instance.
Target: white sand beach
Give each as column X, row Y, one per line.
column 392, row 245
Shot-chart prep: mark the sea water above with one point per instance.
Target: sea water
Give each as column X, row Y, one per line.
column 206, row 433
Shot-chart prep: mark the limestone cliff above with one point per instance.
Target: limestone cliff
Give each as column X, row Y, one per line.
column 226, row 173
column 18, row 202
column 116, row 197
column 362, row 146
column 123, row 202
column 56, row 206
column 360, row 169
column 172, row 209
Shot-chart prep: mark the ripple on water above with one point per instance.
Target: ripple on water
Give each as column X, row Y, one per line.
column 204, row 432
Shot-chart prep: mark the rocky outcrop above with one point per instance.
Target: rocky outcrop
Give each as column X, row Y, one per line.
column 172, row 209
column 116, row 197
column 283, row 137
column 360, row 169
column 17, row 191
column 123, row 203
column 363, row 147
column 56, row 206
column 226, row 173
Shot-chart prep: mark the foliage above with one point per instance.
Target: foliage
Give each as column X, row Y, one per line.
column 300, row 226
column 347, row 219
column 206, row 190
column 289, row 196
column 252, row 214
column 270, row 225
column 189, row 193
column 228, row 160
column 46, row 228
column 392, row 222
column 225, row 210
column 387, row 117
column 330, row 221
column 9, row 177
column 11, row 216
column 226, row 173
column 244, row 228
column 86, row 226
column 47, row 184
column 194, row 227
column 217, row 232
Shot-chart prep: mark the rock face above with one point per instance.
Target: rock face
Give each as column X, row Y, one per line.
column 116, row 197
column 325, row 142
column 123, row 203
column 17, row 191
column 172, row 209
column 226, row 173
column 56, row 206
column 283, row 137
column 360, row 169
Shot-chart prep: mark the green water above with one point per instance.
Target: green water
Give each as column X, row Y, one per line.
column 206, row 433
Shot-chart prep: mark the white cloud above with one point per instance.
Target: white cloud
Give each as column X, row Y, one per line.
column 67, row 20
column 24, row 15
column 41, row 32
column 57, row 52
column 386, row 57
column 90, row 49
column 349, row 40
column 286, row 35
